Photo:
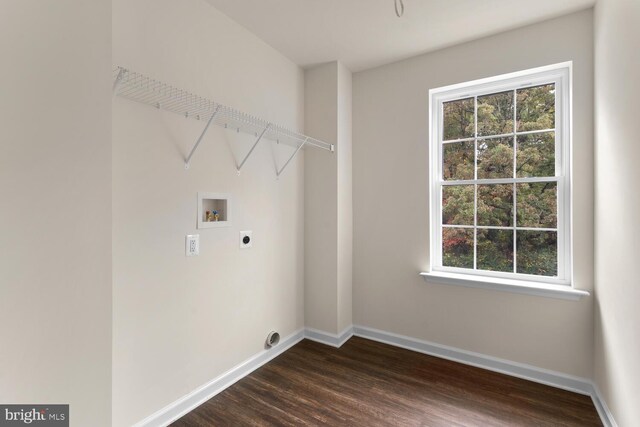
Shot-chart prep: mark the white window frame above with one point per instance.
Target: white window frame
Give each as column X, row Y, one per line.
column 560, row 75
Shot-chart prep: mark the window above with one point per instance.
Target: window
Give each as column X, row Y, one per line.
column 500, row 178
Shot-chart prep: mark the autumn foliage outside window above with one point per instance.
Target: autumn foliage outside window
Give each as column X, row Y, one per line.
column 498, row 181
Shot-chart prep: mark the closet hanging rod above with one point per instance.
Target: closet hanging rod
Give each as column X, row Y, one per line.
column 140, row 88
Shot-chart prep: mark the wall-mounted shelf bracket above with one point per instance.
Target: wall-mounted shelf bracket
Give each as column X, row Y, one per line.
column 278, row 173
column 117, row 81
column 187, row 161
column 255, row 144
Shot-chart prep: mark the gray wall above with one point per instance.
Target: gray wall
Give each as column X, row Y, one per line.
column 391, row 235
column 180, row 322
column 617, row 317
column 328, row 200
column 55, row 219
column 321, row 201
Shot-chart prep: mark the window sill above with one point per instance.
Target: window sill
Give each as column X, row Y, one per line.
column 506, row 285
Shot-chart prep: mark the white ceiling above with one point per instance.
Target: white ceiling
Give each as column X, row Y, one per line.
column 366, row 33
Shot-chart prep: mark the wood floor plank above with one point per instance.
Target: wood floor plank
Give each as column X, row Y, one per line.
column 366, row 383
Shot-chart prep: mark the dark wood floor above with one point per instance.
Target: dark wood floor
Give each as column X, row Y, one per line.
column 365, row 383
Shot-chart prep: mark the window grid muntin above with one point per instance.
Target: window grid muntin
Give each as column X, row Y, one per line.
column 475, row 185
column 500, row 227
column 515, row 175
column 504, row 135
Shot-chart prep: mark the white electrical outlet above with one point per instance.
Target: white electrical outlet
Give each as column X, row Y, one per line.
column 246, row 240
column 192, row 245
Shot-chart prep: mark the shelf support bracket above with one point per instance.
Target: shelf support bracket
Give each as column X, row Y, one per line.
column 187, row 162
column 253, row 147
column 278, row 173
column 116, row 83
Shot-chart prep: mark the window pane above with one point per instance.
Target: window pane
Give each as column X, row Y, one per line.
column 495, row 205
column 536, row 155
column 495, row 250
column 458, row 160
column 457, row 247
column 495, row 158
column 537, row 253
column 458, row 119
column 457, row 204
column 537, row 204
column 536, row 108
column 495, row 114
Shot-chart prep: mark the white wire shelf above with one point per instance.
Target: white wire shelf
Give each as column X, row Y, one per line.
column 140, row 88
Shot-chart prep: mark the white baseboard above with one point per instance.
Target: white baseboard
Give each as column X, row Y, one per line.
column 520, row 370
column 182, row 406
column 601, row 406
column 515, row 369
column 185, row 404
column 334, row 340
